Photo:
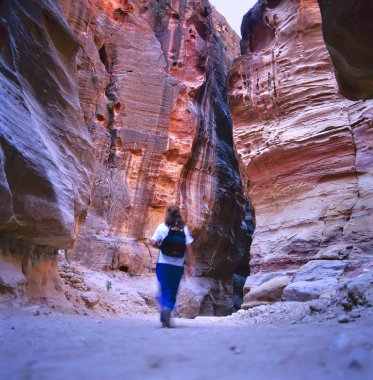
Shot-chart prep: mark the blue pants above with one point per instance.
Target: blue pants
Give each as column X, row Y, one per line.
column 169, row 277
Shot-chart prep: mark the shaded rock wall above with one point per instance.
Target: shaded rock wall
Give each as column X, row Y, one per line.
column 152, row 79
column 46, row 154
column 305, row 152
column 348, row 29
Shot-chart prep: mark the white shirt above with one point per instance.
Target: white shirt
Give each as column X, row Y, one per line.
column 160, row 233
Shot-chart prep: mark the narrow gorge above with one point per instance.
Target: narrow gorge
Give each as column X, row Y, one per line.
column 113, row 110
column 146, row 124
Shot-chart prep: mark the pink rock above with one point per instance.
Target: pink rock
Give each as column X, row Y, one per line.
column 305, row 152
column 152, row 87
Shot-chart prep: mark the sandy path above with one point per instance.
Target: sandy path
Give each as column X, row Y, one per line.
column 68, row 347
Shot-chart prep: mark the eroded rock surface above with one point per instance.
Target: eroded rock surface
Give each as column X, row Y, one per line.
column 305, row 152
column 46, row 154
column 152, row 78
column 347, row 27
column 152, row 87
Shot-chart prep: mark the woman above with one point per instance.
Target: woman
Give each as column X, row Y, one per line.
column 173, row 240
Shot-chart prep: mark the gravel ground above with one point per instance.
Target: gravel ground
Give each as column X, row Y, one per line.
column 49, row 345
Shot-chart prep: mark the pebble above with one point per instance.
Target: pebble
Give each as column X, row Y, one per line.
column 343, row 318
column 236, row 350
column 355, row 364
column 355, row 314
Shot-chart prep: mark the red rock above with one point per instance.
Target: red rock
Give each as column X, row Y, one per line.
column 305, row 152
column 166, row 136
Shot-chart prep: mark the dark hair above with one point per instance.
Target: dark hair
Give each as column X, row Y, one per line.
column 173, row 217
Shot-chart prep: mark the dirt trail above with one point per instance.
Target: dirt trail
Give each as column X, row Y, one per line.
column 64, row 347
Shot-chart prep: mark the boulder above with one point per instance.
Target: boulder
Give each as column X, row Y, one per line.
column 320, row 269
column 358, row 291
column 91, row 299
column 310, row 290
column 258, row 279
column 269, row 291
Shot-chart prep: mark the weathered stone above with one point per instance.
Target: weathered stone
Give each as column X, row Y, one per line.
column 355, row 314
column 310, row 290
column 336, row 252
column 258, row 279
column 153, row 93
column 319, row 269
column 91, row 299
column 204, row 296
column 12, row 280
column 344, row 318
column 34, row 272
column 318, row 306
column 305, row 152
column 269, row 291
column 360, row 290
column 46, row 154
column 47, row 162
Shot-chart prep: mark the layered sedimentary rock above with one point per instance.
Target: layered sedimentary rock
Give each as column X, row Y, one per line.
column 152, row 79
column 305, row 152
column 348, row 29
column 46, row 154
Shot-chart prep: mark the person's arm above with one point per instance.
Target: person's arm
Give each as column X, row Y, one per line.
column 154, row 243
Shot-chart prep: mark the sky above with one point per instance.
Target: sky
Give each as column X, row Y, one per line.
column 233, row 11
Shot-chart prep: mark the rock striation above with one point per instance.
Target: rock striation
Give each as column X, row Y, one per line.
column 152, row 80
column 46, row 153
column 120, row 105
column 305, row 152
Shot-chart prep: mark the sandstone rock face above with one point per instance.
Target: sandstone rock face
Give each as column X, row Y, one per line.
column 310, row 290
column 347, row 27
column 152, row 79
column 203, row 296
column 268, row 292
column 305, row 152
column 46, row 154
column 338, row 283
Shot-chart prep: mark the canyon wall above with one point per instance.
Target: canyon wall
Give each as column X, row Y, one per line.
column 347, row 28
column 305, row 154
column 152, row 80
column 119, row 106
column 46, row 153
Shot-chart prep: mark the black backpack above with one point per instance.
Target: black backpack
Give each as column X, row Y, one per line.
column 174, row 243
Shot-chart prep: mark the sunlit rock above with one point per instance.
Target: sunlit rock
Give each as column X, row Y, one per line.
column 305, row 152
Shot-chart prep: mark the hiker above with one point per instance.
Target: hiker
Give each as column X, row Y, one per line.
column 173, row 240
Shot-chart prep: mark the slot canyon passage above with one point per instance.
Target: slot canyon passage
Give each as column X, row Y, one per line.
column 112, row 110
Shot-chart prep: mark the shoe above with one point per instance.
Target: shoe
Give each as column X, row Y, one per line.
column 165, row 317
